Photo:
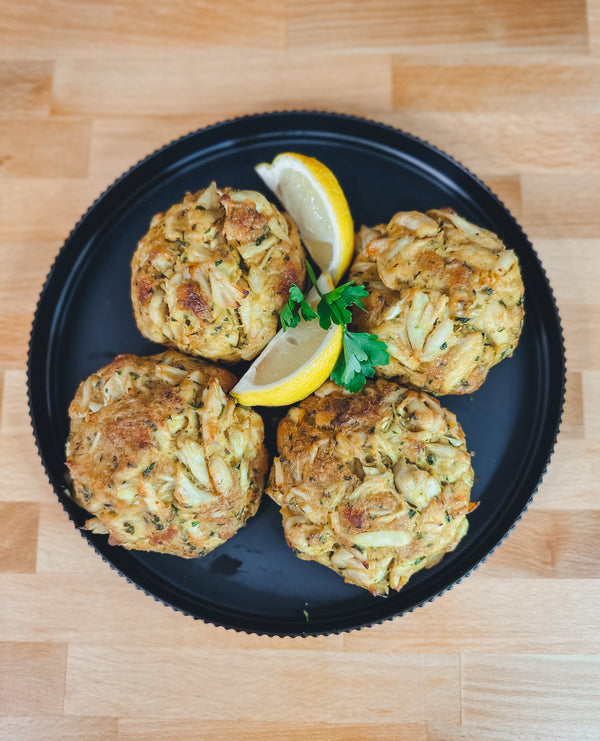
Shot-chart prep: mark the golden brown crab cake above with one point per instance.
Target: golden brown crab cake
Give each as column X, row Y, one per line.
column 445, row 296
column 375, row 485
column 162, row 457
column 213, row 273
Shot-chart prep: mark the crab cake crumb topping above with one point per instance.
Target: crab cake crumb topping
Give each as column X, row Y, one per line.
column 445, row 296
column 162, row 457
column 375, row 485
column 213, row 273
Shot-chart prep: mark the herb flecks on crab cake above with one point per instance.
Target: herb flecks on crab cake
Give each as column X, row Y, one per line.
column 213, row 272
column 375, row 485
column 445, row 296
column 162, row 457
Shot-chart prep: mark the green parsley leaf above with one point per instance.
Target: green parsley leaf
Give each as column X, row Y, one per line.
column 334, row 306
column 361, row 352
column 296, row 294
column 305, row 308
column 290, row 315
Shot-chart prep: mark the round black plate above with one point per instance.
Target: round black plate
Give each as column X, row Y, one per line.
column 84, row 318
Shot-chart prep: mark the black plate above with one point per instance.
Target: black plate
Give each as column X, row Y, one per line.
column 84, row 318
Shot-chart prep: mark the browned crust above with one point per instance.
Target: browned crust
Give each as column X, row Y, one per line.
column 201, row 281
column 131, row 421
column 242, row 221
column 334, row 480
column 455, row 262
column 190, row 297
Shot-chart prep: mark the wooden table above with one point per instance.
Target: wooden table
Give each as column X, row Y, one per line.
column 509, row 88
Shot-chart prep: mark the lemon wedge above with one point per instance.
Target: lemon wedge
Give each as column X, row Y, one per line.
column 312, row 196
column 294, row 363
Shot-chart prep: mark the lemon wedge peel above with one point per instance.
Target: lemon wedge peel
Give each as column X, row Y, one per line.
column 313, row 197
column 260, row 386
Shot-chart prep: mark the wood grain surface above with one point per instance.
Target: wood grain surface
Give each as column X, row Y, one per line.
column 509, row 88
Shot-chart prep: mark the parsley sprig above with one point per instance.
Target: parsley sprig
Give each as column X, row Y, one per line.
column 361, row 351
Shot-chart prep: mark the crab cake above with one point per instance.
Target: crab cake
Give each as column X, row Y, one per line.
column 375, row 485
column 444, row 295
column 161, row 457
column 213, row 273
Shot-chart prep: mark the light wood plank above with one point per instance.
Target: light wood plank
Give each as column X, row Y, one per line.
column 500, row 616
column 60, row 547
column 55, row 148
column 20, row 466
column 69, row 28
column 278, row 678
column 526, row 731
column 570, row 478
column 118, row 143
column 536, row 145
column 508, row 189
column 52, row 604
column 494, row 25
column 55, row 728
column 186, row 86
column 579, row 284
column 591, row 391
column 593, row 18
column 481, row 614
column 551, row 545
column 21, row 280
column 553, row 203
column 18, row 545
column 526, row 88
column 59, row 205
column 580, row 330
column 292, row 729
column 572, row 421
column 32, row 679
column 25, row 88
column 542, row 690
